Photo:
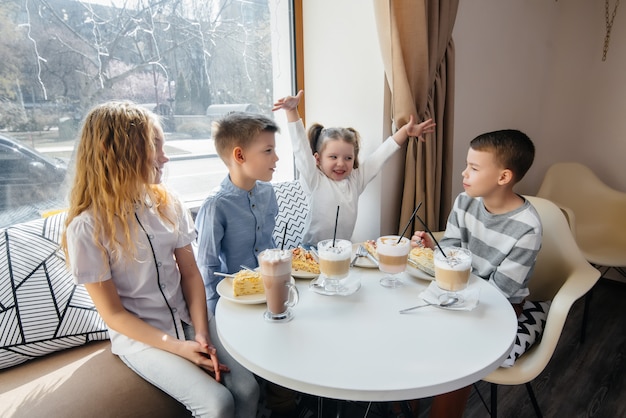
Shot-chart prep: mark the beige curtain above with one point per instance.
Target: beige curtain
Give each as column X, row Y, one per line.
column 418, row 54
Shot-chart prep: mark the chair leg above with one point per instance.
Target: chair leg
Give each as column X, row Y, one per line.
column 586, row 303
column 533, row 400
column 494, row 400
column 320, row 407
column 339, row 408
column 481, row 398
column 367, row 411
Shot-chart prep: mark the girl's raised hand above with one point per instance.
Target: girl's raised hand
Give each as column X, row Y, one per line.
column 288, row 102
column 418, row 131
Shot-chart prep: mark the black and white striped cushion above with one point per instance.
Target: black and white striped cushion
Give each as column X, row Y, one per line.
column 292, row 211
column 41, row 310
column 530, row 325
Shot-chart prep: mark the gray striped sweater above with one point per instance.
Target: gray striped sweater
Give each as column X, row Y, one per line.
column 504, row 247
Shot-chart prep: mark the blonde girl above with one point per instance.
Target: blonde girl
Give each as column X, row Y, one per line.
column 128, row 241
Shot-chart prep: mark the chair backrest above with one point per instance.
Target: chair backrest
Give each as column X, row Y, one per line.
column 292, row 211
column 559, row 254
column 597, row 209
column 575, row 186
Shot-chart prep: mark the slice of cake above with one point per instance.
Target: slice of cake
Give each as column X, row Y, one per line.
column 370, row 246
column 422, row 258
column 303, row 260
column 248, row 282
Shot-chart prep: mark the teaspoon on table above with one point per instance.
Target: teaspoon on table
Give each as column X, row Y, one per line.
column 448, row 302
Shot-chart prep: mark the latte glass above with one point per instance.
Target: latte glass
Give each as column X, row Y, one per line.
column 393, row 254
column 334, row 259
column 452, row 271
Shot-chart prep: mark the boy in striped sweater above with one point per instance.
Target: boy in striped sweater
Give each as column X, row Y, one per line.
column 501, row 228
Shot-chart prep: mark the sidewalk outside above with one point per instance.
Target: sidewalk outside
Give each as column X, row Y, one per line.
column 176, row 149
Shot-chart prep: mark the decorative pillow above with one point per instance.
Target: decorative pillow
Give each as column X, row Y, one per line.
column 292, row 211
column 41, row 310
column 530, row 326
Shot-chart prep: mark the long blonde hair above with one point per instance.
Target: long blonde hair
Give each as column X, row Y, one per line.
column 115, row 166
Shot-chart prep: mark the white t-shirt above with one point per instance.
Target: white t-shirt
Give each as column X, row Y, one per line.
column 325, row 194
column 144, row 283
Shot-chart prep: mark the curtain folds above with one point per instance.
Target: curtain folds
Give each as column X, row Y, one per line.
column 415, row 37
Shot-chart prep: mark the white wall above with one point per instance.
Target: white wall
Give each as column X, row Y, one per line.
column 344, row 84
column 534, row 65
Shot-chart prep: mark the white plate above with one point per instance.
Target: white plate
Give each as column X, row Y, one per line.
column 225, row 290
column 415, row 272
column 299, row 274
column 362, row 261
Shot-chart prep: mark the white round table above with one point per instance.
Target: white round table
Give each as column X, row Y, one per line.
column 360, row 348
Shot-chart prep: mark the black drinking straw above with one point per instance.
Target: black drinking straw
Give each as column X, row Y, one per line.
column 336, row 221
column 431, row 234
column 282, row 245
column 409, row 223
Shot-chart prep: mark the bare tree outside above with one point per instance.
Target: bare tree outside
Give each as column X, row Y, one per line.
column 175, row 57
column 180, row 55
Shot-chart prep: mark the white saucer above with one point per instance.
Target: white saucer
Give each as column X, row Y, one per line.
column 349, row 285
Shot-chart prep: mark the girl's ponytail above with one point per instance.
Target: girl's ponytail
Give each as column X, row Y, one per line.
column 315, row 139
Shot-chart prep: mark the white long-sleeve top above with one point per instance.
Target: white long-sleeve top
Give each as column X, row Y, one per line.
column 325, row 194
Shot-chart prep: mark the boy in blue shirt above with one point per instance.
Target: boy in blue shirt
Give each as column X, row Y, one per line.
column 235, row 223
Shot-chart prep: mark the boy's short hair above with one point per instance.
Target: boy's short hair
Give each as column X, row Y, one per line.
column 239, row 129
column 512, row 149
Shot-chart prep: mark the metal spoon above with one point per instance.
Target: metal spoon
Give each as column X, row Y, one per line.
column 448, row 302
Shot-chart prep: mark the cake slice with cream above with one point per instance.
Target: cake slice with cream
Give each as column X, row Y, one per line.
column 247, row 282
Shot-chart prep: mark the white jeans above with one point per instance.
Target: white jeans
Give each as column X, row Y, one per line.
column 236, row 397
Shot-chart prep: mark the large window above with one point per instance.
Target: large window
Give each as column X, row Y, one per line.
column 190, row 61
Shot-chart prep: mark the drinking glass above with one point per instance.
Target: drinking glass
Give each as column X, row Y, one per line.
column 334, row 258
column 280, row 293
column 393, row 253
column 452, row 271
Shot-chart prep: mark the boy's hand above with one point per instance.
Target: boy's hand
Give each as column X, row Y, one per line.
column 418, row 130
column 422, row 239
column 289, row 102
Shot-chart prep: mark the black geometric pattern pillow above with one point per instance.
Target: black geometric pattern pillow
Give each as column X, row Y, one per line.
column 530, row 325
column 292, row 211
column 41, row 310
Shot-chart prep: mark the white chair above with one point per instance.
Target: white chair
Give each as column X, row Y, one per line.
column 292, row 211
column 596, row 213
column 562, row 275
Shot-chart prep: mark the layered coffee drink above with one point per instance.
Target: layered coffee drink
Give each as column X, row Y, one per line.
column 334, row 258
column 452, row 271
column 275, row 268
column 393, row 253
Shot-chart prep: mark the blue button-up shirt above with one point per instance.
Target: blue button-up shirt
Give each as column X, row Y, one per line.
column 234, row 226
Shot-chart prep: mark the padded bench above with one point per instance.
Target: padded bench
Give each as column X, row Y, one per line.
column 55, row 356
